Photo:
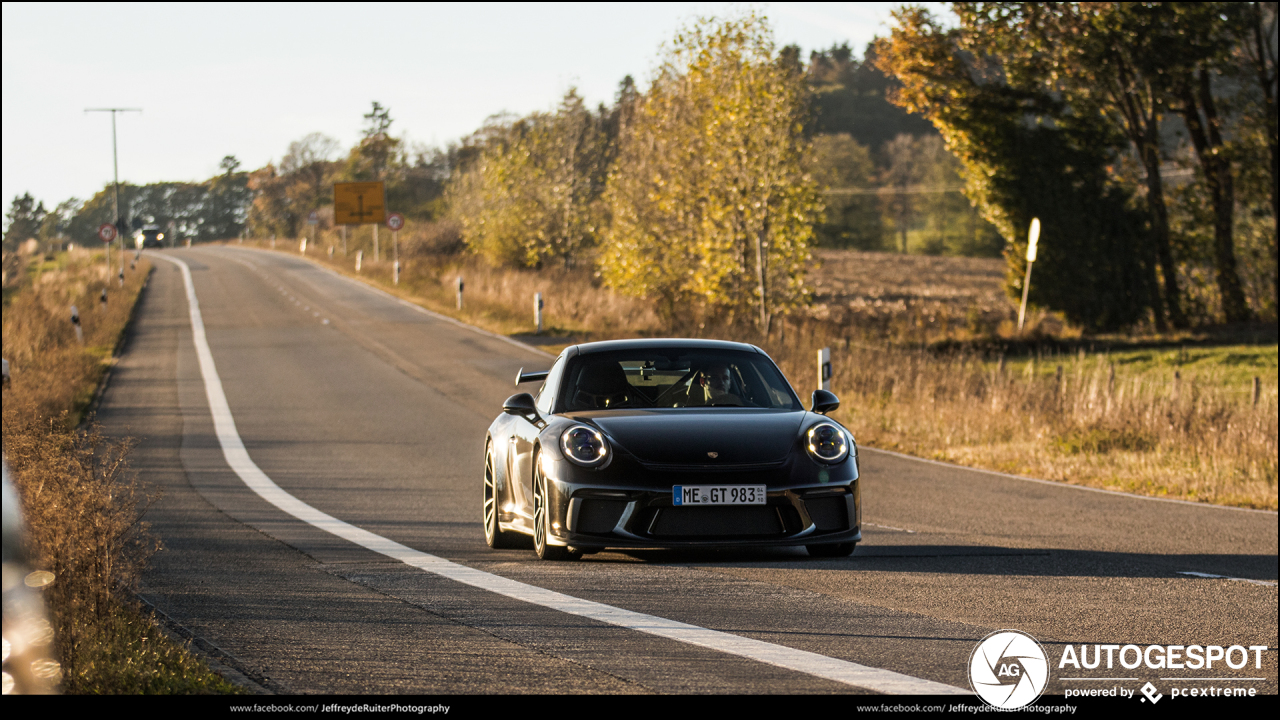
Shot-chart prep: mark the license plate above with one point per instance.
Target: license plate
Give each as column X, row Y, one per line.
column 718, row 494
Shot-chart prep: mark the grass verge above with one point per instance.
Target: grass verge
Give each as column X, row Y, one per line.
column 82, row 505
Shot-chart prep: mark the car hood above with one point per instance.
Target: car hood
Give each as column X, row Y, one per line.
column 688, row 436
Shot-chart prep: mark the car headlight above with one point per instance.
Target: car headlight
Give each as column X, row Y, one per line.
column 827, row 443
column 584, row 446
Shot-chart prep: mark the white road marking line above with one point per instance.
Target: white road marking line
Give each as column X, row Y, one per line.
column 1226, row 577
column 889, row 527
column 842, row 671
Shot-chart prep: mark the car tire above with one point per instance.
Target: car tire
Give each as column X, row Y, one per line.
column 494, row 536
column 542, row 521
column 832, row 550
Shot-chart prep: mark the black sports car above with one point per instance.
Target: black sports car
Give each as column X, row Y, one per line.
column 668, row 443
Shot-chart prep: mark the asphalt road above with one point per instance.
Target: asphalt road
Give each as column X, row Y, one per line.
column 374, row 413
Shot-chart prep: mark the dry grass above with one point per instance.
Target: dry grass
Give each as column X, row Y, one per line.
column 52, row 371
column 927, row 362
column 82, row 505
column 1083, row 419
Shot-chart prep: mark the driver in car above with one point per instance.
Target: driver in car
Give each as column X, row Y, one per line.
column 714, row 386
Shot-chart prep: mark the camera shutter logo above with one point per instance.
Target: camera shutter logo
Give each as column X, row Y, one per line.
column 1008, row 669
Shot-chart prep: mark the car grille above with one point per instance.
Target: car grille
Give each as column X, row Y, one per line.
column 828, row 513
column 599, row 516
column 717, row 522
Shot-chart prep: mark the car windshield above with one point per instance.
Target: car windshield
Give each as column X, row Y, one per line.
column 675, row 378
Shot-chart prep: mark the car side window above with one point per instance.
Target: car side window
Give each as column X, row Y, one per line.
column 550, row 387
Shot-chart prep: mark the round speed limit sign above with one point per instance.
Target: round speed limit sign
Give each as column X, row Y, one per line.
column 395, row 221
column 107, row 232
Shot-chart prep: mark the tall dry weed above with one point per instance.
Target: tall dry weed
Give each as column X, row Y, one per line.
column 83, row 512
column 1062, row 417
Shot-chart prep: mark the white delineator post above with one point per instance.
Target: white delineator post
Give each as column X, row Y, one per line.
column 75, row 322
column 1032, row 239
column 537, row 313
column 359, row 259
column 824, row 369
column 459, row 292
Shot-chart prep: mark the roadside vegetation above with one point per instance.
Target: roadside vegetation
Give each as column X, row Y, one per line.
column 82, row 505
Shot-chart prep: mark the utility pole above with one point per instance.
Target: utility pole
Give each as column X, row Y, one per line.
column 115, row 164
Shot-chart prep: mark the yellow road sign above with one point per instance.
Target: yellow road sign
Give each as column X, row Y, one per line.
column 359, row 203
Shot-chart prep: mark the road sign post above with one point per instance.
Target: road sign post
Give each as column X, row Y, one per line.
column 361, row 203
column 395, row 221
column 537, row 313
column 107, row 233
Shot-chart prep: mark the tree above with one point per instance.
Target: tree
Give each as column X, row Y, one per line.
column 1102, row 59
column 377, row 150
column 532, row 193
column 844, row 169
column 227, row 201
column 708, row 197
column 1027, row 155
column 852, row 96
column 57, row 223
column 23, row 221
column 309, row 167
column 1134, row 63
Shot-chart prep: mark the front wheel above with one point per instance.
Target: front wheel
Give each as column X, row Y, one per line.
column 542, row 520
column 831, row 551
column 494, row 536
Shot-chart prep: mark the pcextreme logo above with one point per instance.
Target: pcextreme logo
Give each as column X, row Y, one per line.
column 1008, row 669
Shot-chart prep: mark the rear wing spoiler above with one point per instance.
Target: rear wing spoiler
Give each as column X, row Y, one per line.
column 524, row 377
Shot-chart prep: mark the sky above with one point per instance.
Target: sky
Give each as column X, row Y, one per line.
column 246, row 80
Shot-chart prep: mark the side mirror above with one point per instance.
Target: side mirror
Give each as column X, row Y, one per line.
column 520, row 404
column 825, row 401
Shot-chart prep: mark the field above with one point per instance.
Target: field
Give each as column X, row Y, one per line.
column 927, row 361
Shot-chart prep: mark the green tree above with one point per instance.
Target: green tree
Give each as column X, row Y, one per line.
column 1026, row 155
column 377, row 151
column 226, row 205
column 1135, row 63
column 708, row 197
column 22, row 221
column 532, row 192
column 57, row 223
column 844, row 170
column 851, row 96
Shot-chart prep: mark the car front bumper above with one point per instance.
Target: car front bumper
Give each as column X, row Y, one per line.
column 805, row 505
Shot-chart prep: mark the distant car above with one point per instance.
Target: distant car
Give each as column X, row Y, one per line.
column 149, row 237
column 665, row 444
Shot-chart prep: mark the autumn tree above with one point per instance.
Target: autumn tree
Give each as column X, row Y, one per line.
column 532, row 192
column 1028, row 155
column 708, row 197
